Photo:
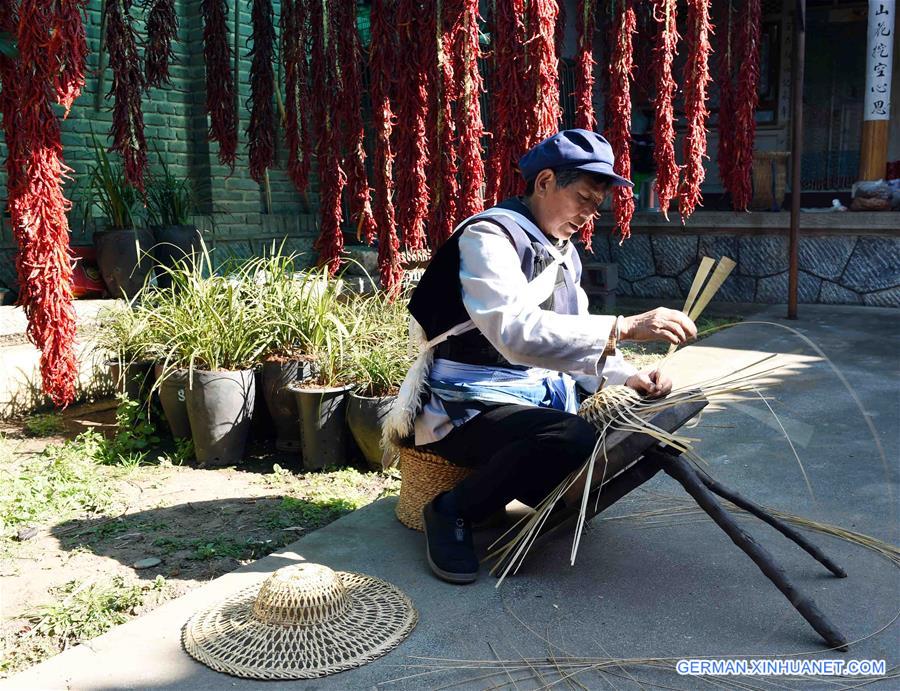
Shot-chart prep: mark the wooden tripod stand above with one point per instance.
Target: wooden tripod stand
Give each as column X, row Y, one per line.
column 632, row 459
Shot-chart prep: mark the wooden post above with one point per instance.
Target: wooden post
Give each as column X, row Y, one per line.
column 796, row 153
column 877, row 107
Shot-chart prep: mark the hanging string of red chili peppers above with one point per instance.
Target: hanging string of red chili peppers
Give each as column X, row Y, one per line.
column 444, row 154
column 508, row 94
column 294, row 34
column 725, row 153
column 382, row 55
column 35, row 169
column 125, row 90
column 219, row 80
column 623, row 26
column 559, row 30
column 412, row 97
column 584, row 71
column 696, row 82
column 261, row 126
column 332, row 178
column 471, row 127
column 543, row 70
column 351, row 121
column 9, row 102
column 162, row 30
column 585, row 25
column 69, row 45
column 746, row 100
column 667, row 169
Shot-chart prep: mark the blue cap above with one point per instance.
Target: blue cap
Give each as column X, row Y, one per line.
column 572, row 149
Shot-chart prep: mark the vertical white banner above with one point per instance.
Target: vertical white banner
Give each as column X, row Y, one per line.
column 879, row 58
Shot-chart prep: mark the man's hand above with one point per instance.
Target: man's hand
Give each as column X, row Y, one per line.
column 661, row 324
column 650, row 382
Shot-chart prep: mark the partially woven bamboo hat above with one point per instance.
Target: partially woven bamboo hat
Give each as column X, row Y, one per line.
column 305, row 621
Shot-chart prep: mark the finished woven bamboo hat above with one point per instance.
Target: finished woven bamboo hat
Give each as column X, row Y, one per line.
column 305, row 621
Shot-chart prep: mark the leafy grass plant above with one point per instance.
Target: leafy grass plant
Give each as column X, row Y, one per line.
column 170, row 200
column 119, row 203
column 379, row 354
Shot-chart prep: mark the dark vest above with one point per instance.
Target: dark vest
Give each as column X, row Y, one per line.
column 437, row 304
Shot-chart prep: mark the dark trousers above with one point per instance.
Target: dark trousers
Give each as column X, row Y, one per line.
column 517, row 452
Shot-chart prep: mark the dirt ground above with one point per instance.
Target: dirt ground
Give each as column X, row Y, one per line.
column 186, row 524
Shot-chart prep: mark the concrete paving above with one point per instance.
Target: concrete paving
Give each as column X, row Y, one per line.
column 679, row 589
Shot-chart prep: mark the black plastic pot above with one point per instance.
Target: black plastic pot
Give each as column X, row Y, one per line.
column 364, row 418
column 124, row 259
column 220, row 407
column 323, row 427
column 135, row 380
column 277, row 375
column 173, row 244
column 262, row 429
column 173, row 399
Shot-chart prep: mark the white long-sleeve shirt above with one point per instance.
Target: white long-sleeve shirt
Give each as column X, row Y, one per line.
column 495, row 296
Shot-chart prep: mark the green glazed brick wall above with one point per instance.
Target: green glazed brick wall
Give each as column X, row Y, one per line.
column 234, row 214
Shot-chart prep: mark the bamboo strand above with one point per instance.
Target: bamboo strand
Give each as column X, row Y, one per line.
column 720, row 273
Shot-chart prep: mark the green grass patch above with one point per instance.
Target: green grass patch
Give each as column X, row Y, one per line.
column 61, row 482
column 79, row 612
column 43, row 425
column 209, row 548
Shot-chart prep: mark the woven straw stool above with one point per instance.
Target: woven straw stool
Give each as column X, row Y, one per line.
column 423, row 476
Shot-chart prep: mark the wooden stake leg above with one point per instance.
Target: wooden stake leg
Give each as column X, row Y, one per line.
column 777, row 523
column 681, row 470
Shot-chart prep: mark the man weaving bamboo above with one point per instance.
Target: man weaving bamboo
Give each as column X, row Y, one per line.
column 509, row 328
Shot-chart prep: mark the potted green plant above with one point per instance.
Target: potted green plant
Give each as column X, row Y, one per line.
column 171, row 378
column 216, row 331
column 285, row 299
column 170, row 205
column 378, row 360
column 123, row 335
column 322, row 399
column 123, row 248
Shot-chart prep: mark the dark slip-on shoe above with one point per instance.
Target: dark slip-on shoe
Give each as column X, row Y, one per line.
column 448, row 546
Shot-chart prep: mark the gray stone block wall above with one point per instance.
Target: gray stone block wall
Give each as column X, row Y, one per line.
column 834, row 269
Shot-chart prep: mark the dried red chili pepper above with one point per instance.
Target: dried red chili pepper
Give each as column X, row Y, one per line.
column 413, row 109
column 470, row 125
column 746, row 100
column 382, row 55
column 696, row 82
column 37, row 204
column 261, row 125
column 619, row 132
column 219, row 80
column 162, row 30
column 353, row 134
column 667, row 169
column 508, row 96
column 294, row 34
column 126, row 90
